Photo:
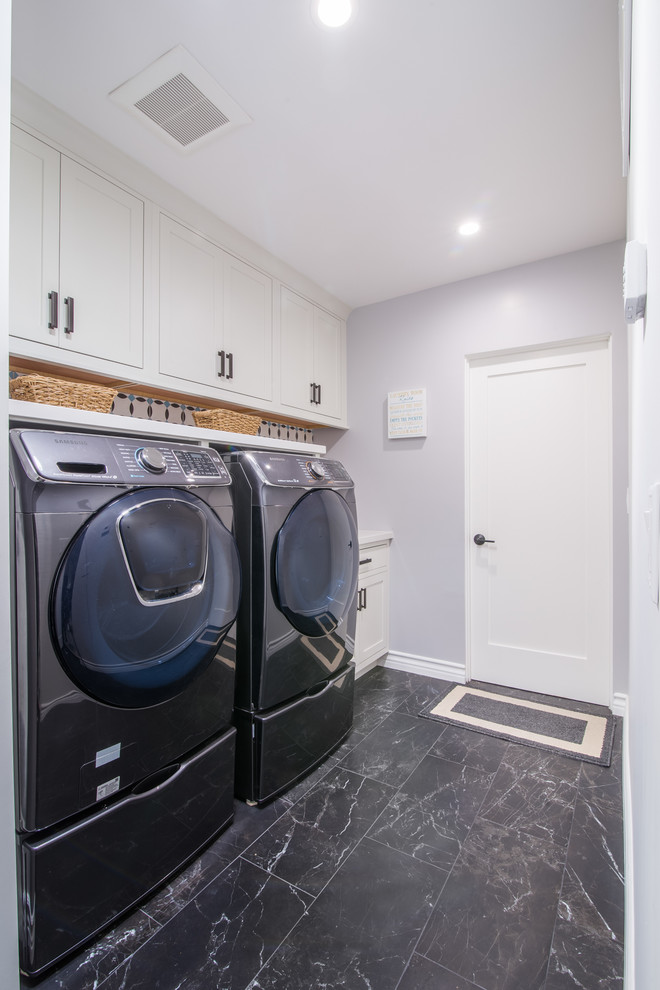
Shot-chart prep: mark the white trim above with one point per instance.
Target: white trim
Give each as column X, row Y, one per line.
column 629, row 872
column 467, row 569
column 428, row 666
column 620, row 704
column 9, row 978
column 527, row 349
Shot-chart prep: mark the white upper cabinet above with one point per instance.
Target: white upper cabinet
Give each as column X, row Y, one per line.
column 215, row 315
column 191, row 270
column 248, row 329
column 312, row 357
column 76, row 257
column 105, row 280
column 34, row 238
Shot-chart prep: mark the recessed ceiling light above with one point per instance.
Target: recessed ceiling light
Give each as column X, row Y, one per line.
column 469, row 228
column 333, row 13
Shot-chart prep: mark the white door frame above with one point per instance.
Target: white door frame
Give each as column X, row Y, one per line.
column 515, row 352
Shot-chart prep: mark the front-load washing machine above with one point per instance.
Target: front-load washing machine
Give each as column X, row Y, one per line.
column 126, row 587
column 296, row 529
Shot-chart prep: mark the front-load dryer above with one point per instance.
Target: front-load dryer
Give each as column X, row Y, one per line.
column 127, row 583
column 296, row 529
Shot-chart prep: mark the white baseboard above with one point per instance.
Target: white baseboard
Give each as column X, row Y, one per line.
column 429, row 666
column 629, row 907
column 620, row 704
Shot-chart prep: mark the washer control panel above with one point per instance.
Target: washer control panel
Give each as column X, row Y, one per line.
column 87, row 458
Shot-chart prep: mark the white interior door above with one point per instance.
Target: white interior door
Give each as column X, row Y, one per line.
column 539, row 487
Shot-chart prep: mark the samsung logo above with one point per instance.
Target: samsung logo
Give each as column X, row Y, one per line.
column 73, row 443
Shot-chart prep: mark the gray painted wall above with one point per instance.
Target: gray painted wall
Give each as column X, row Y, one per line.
column 416, row 487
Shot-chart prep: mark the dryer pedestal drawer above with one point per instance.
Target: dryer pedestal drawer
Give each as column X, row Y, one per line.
column 78, row 879
column 292, row 739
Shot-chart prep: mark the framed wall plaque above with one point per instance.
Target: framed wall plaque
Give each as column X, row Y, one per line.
column 406, row 413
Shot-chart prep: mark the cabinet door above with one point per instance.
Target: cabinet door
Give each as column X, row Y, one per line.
column 327, row 361
column 191, row 273
column 101, row 266
column 34, row 232
column 297, row 350
column 248, row 339
column 371, row 636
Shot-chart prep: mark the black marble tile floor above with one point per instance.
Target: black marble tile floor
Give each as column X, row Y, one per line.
column 420, row 856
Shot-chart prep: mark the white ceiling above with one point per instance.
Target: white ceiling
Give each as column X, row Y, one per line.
column 369, row 144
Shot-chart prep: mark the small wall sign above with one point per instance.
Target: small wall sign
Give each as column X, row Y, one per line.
column 406, row 413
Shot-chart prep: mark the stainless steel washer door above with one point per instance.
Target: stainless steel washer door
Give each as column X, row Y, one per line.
column 144, row 596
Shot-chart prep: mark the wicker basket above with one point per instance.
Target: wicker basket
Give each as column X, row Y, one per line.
column 228, row 420
column 56, row 392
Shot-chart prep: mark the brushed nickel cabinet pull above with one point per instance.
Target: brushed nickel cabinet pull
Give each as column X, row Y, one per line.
column 53, row 308
column 69, row 326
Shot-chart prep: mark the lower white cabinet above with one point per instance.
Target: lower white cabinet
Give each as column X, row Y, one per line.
column 372, row 638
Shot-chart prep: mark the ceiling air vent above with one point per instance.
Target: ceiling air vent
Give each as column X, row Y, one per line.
column 180, row 101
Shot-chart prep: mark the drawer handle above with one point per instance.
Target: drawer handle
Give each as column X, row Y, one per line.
column 366, row 560
column 221, row 355
column 230, row 363
column 156, row 779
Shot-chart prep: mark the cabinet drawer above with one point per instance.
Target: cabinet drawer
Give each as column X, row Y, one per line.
column 374, row 558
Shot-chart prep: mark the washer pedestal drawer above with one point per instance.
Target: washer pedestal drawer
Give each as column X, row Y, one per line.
column 281, row 746
column 76, row 880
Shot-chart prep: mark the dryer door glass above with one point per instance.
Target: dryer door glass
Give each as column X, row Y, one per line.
column 144, row 596
column 316, row 563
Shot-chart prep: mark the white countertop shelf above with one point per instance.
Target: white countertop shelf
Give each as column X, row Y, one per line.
column 370, row 537
column 40, row 414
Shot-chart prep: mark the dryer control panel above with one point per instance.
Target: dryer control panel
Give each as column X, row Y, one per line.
column 294, row 470
column 88, row 459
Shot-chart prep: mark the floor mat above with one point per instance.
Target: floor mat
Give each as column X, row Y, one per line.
column 572, row 732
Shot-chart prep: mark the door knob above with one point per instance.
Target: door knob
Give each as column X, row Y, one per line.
column 480, row 539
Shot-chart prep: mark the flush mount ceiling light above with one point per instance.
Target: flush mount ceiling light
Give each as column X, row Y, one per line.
column 469, row 228
column 333, row 13
column 179, row 100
